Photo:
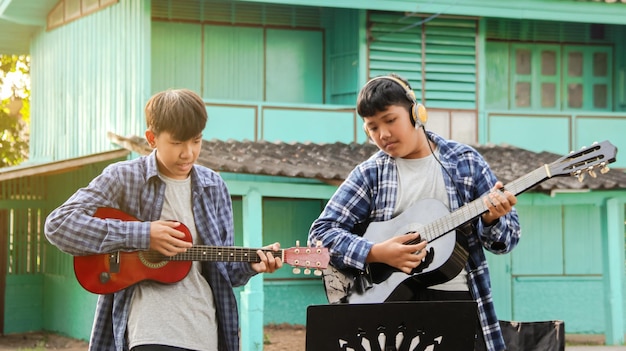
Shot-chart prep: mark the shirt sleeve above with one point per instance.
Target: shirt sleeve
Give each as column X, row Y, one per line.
column 334, row 227
column 73, row 229
column 503, row 235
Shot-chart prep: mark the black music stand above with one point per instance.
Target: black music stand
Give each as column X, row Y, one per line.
column 436, row 326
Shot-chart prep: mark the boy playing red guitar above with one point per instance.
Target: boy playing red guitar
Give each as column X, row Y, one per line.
column 198, row 312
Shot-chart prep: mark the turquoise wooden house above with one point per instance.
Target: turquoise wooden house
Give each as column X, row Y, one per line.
column 539, row 75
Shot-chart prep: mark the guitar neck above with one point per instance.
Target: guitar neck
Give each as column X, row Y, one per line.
column 220, row 254
column 477, row 207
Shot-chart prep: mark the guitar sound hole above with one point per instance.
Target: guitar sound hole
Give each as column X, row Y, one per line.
column 152, row 259
column 430, row 254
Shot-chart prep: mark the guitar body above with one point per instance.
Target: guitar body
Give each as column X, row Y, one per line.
column 95, row 274
column 112, row 272
column 99, row 274
column 446, row 258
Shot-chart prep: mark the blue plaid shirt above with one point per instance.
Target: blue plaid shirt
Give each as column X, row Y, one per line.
column 370, row 193
column 135, row 188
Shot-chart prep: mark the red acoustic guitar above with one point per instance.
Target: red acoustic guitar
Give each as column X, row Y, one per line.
column 112, row 272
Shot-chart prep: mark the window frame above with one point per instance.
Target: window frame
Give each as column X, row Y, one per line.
column 561, row 80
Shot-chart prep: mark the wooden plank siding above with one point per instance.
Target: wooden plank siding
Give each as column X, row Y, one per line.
column 90, row 81
column 38, row 280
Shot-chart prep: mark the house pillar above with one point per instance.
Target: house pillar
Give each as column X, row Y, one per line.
column 613, row 263
column 252, row 297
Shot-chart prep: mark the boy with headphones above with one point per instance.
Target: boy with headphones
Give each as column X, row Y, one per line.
column 412, row 165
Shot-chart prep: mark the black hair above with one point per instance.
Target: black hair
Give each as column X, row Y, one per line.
column 378, row 94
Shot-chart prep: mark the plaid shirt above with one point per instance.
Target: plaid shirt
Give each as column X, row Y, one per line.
column 370, row 193
column 135, row 188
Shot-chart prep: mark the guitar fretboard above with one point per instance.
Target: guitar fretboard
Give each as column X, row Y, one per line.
column 214, row 254
column 477, row 207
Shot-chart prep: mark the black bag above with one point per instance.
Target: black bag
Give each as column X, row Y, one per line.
column 534, row 336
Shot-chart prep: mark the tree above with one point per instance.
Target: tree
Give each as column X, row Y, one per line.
column 14, row 109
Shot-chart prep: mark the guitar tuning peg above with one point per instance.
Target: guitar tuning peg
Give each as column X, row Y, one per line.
column 307, row 271
column 317, row 272
column 296, row 270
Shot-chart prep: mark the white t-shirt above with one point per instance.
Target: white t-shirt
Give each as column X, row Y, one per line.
column 422, row 178
column 180, row 314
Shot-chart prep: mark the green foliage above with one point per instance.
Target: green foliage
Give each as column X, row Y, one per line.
column 14, row 109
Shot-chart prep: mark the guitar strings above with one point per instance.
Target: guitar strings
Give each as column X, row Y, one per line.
column 212, row 253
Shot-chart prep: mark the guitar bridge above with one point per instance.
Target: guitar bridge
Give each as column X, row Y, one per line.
column 114, row 262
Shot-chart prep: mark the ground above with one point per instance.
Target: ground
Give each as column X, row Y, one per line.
column 277, row 338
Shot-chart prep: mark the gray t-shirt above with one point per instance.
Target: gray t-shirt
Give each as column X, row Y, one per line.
column 422, row 178
column 180, row 314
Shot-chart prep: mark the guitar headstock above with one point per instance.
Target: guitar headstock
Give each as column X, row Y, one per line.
column 586, row 160
column 310, row 258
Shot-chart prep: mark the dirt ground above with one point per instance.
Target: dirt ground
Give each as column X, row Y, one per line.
column 277, row 338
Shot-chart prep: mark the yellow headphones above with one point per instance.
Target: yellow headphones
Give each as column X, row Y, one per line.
column 418, row 113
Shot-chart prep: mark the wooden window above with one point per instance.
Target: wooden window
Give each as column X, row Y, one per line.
column 561, row 77
column 522, row 61
column 548, row 95
column 575, row 95
column 522, row 94
column 587, row 74
column 66, row 11
column 536, row 76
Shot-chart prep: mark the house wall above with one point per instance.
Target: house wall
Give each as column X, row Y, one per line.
column 560, row 128
column 287, row 294
column 277, row 82
column 559, row 262
column 41, row 290
column 90, row 76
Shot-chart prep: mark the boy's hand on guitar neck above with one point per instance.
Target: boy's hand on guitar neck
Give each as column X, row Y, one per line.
column 165, row 239
column 395, row 252
column 268, row 263
column 499, row 202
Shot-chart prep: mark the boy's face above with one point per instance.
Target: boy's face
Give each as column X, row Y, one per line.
column 175, row 158
column 392, row 131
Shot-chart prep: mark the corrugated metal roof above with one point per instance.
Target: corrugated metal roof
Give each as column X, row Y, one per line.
column 37, row 169
column 332, row 163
